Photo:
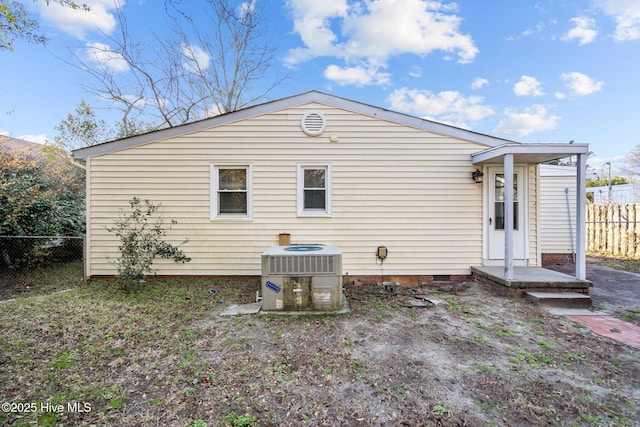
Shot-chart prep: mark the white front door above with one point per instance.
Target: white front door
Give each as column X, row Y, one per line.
column 496, row 221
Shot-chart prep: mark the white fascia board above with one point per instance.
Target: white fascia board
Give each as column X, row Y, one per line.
column 562, row 150
column 134, row 141
column 289, row 102
column 408, row 120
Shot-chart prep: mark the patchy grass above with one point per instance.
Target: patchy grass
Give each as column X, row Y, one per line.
column 103, row 346
column 631, row 315
column 624, row 264
column 40, row 280
column 160, row 354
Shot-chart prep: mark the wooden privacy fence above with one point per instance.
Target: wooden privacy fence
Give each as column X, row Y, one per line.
column 614, row 230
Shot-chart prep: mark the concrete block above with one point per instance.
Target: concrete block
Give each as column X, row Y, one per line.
column 559, row 299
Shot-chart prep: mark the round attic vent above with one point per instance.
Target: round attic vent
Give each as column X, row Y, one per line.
column 313, row 123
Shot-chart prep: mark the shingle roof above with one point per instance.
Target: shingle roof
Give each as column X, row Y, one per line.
column 32, row 150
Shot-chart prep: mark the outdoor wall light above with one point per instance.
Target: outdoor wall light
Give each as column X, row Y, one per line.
column 477, row 176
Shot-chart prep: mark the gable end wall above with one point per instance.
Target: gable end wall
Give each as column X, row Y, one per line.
column 392, row 186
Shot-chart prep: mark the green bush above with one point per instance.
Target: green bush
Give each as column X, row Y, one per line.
column 142, row 240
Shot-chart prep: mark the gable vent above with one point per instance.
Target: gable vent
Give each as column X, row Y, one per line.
column 313, row 123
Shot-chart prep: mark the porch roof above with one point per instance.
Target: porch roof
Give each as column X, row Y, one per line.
column 510, row 153
column 528, row 153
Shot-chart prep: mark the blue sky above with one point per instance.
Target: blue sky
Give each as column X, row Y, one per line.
column 541, row 71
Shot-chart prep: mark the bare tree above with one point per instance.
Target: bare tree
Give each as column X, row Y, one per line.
column 196, row 72
column 633, row 161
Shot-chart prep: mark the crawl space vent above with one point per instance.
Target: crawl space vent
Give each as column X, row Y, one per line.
column 313, row 124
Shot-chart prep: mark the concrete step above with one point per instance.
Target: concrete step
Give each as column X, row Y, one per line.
column 559, row 299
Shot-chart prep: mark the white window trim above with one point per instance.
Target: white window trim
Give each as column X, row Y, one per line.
column 327, row 202
column 213, row 195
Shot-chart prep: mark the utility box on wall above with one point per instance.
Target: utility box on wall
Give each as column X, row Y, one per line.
column 302, row 277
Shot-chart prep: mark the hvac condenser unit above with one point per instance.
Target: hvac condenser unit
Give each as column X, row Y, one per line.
column 302, row 277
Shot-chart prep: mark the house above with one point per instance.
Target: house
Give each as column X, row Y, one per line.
column 28, row 150
column 557, row 213
column 332, row 171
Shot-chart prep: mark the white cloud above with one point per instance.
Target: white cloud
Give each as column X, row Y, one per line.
column 528, row 32
column 448, row 106
column 522, row 123
column 102, row 55
column 360, row 32
column 479, row 83
column 312, row 23
column 418, row 27
column 584, row 30
column 357, row 76
column 538, row 28
column 581, row 84
column 627, row 16
column 246, row 9
column 528, row 86
column 141, row 102
column 79, row 22
column 196, row 58
column 415, row 71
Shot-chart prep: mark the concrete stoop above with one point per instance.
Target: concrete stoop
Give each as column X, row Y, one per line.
column 571, row 300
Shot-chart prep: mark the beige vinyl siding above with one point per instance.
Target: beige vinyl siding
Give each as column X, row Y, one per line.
column 392, row 185
column 556, row 217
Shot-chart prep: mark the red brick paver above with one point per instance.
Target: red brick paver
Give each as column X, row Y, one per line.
column 624, row 332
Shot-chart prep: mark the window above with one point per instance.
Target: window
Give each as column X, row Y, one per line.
column 231, row 192
column 314, row 189
column 499, row 201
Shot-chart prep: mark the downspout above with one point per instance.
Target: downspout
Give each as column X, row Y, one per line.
column 573, row 250
column 76, row 163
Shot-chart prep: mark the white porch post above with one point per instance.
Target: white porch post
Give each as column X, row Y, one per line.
column 581, row 202
column 508, row 216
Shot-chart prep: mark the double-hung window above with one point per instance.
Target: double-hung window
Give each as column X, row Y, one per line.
column 314, row 189
column 230, row 191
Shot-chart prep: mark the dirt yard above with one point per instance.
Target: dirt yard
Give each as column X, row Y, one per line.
column 474, row 359
column 165, row 356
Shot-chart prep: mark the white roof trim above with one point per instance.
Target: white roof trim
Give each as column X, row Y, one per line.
column 269, row 107
column 559, row 150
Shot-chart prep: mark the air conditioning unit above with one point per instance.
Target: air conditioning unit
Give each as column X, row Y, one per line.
column 302, row 277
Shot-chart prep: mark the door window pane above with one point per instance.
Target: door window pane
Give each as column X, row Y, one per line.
column 499, row 202
column 499, row 214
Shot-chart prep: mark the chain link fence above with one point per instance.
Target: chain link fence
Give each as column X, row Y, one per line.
column 25, row 256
